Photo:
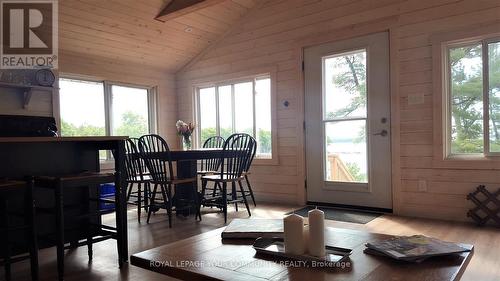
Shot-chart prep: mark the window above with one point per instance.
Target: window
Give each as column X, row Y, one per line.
column 473, row 87
column 82, row 108
column 86, row 105
column 242, row 107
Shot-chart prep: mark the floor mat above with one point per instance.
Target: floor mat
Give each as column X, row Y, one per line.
column 341, row 214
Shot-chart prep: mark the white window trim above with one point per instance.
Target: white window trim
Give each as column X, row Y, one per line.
column 447, row 87
column 107, row 84
column 441, row 160
column 274, row 160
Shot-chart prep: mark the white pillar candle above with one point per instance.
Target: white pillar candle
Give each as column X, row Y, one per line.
column 316, row 241
column 306, row 238
column 294, row 234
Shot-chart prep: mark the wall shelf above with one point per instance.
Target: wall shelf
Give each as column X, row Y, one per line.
column 27, row 90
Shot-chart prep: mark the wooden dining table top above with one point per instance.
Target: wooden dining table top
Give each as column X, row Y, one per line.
column 194, row 154
column 208, row 257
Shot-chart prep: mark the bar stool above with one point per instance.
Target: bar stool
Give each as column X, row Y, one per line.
column 94, row 232
column 9, row 189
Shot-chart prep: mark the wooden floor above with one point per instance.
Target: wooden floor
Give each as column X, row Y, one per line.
column 485, row 264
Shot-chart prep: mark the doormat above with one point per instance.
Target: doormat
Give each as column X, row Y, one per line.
column 340, row 214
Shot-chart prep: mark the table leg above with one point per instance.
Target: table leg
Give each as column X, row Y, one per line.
column 184, row 192
column 121, row 204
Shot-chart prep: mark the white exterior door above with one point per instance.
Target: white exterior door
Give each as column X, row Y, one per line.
column 347, row 112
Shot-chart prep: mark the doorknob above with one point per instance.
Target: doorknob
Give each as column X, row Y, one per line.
column 381, row 133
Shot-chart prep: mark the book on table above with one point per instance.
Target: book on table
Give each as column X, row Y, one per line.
column 414, row 248
column 253, row 229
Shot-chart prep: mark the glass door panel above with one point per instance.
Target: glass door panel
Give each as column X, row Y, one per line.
column 345, row 117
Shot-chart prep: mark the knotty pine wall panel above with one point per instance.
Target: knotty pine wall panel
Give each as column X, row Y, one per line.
column 273, row 36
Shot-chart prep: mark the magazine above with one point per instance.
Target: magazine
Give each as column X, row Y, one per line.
column 414, row 248
column 253, row 229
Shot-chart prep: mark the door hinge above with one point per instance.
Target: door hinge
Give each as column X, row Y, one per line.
column 304, row 125
column 303, row 66
column 305, row 184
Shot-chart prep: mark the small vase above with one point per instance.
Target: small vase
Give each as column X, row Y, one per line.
column 186, row 142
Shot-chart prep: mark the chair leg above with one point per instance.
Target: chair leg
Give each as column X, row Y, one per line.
column 89, row 241
column 214, row 191
column 147, row 191
column 129, row 190
column 234, row 195
column 197, row 203
column 244, row 198
column 169, row 205
column 6, row 239
column 30, row 208
column 139, row 200
column 204, row 184
column 152, row 202
column 60, row 229
column 250, row 189
column 218, row 186
column 90, row 250
column 224, row 201
column 167, row 202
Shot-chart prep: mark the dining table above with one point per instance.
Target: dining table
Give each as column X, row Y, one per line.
column 187, row 167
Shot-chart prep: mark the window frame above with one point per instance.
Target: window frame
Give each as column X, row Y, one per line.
column 231, row 82
column 439, row 40
column 108, row 110
column 485, row 99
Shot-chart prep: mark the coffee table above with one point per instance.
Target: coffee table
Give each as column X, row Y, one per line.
column 208, row 257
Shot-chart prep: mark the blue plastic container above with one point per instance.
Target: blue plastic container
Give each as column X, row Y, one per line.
column 107, row 191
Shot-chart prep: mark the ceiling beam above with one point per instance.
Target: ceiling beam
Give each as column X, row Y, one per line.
column 178, row 8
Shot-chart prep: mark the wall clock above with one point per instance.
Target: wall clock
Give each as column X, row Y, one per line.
column 45, row 77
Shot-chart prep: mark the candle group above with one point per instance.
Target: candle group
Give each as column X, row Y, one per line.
column 300, row 239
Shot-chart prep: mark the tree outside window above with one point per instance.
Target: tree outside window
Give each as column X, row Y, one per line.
column 470, row 67
column 243, row 107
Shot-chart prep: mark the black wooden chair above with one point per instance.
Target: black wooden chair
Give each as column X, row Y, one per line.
column 246, row 172
column 236, row 154
column 80, row 218
column 156, row 154
column 8, row 229
column 210, row 166
column 136, row 177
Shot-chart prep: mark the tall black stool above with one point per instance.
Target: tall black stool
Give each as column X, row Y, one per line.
column 94, row 232
column 8, row 190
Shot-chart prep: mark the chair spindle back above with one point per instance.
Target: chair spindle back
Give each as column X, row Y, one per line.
column 156, row 154
column 237, row 151
column 212, row 164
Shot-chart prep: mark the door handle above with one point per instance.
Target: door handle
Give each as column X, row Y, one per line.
column 382, row 133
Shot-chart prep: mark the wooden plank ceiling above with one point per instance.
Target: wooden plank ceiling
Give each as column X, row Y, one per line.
column 126, row 30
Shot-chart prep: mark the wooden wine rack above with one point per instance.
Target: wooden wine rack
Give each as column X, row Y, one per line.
column 487, row 206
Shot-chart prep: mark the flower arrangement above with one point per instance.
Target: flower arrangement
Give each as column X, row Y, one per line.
column 185, row 130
